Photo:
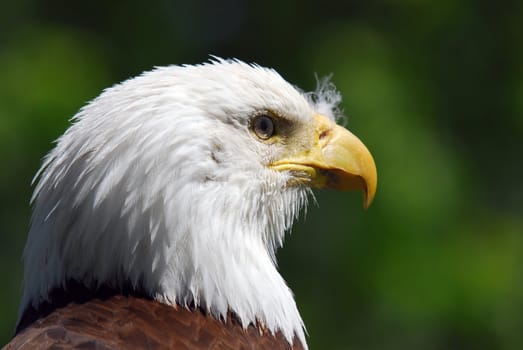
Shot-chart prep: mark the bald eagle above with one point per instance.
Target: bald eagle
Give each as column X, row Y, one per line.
column 157, row 215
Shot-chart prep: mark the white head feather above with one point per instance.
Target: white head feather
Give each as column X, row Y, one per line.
column 160, row 183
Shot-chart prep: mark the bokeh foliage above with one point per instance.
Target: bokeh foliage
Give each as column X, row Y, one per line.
column 434, row 88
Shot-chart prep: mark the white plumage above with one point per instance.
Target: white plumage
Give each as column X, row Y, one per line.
column 161, row 183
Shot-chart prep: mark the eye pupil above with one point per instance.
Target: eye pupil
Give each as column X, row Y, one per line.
column 263, row 127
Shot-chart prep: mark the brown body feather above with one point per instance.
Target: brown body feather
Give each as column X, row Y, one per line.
column 128, row 322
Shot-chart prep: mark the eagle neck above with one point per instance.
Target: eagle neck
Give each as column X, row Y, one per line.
column 225, row 263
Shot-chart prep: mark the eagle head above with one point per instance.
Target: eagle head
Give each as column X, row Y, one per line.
column 182, row 182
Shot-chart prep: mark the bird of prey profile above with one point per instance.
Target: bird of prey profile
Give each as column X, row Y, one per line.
column 157, row 215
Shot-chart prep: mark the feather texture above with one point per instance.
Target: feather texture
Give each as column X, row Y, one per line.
column 159, row 184
column 136, row 323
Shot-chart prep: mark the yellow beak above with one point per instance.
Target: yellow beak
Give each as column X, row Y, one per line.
column 337, row 159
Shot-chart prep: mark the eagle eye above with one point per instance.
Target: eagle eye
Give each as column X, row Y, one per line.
column 263, row 126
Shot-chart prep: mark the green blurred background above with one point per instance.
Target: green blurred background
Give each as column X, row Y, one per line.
column 435, row 90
